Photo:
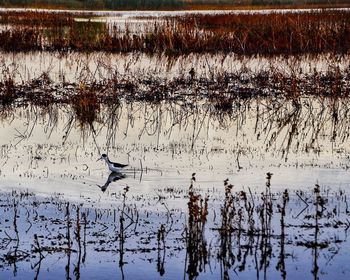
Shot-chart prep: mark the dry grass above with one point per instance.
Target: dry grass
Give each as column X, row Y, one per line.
column 44, row 19
column 247, row 34
column 86, row 105
column 175, row 5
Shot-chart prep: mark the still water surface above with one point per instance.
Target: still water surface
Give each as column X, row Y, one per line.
column 52, row 184
column 164, row 143
column 50, row 153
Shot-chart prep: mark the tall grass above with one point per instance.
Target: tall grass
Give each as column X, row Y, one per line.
column 172, row 4
column 33, row 18
column 247, row 34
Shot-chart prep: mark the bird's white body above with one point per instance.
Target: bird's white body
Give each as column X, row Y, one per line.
column 113, row 166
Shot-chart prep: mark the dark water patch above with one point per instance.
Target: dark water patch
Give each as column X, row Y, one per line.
column 207, row 234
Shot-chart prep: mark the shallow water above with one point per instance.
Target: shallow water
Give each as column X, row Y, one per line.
column 79, row 67
column 48, row 165
column 49, row 152
column 43, row 150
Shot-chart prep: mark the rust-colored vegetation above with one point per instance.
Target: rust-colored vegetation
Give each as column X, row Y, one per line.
column 247, row 34
column 220, row 90
column 32, row 18
column 86, row 105
column 273, row 33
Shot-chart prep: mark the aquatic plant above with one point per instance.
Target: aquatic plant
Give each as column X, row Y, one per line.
column 196, row 244
column 86, row 105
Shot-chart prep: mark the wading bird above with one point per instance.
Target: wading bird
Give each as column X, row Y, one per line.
column 113, row 166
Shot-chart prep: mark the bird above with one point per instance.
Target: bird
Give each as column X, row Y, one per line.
column 113, row 166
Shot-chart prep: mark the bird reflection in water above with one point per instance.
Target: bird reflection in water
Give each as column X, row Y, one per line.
column 113, row 177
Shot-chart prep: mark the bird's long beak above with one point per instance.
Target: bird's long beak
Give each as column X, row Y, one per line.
column 99, row 159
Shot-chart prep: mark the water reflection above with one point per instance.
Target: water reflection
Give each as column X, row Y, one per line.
column 113, row 177
column 250, row 235
column 280, row 126
column 172, row 137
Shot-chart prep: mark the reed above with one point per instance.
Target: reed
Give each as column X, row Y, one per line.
column 37, row 19
column 197, row 252
column 267, row 34
column 86, row 105
column 7, row 91
column 221, row 90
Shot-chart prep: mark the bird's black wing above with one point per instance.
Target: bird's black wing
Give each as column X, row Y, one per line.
column 119, row 165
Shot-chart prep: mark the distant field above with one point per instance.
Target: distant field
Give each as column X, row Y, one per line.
column 311, row 32
column 172, row 4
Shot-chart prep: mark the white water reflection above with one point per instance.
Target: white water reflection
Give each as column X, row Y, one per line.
column 97, row 66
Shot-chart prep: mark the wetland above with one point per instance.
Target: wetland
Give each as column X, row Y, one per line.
column 237, row 148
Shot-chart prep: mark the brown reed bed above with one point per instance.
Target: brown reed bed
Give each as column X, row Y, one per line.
column 273, row 33
column 32, row 18
column 247, row 34
column 86, row 105
column 8, row 91
column 176, row 5
column 266, row 6
column 220, row 89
